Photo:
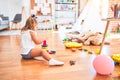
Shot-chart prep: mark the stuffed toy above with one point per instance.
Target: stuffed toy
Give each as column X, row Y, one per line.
column 80, row 37
column 95, row 39
column 84, row 36
column 87, row 38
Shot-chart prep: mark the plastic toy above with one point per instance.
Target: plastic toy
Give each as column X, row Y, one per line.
column 90, row 52
column 49, row 52
column 85, row 50
column 73, row 49
column 97, row 51
column 115, row 63
column 72, row 62
column 73, row 45
column 116, row 57
column 103, row 64
column 44, row 45
column 65, row 39
column 53, row 51
column 119, row 74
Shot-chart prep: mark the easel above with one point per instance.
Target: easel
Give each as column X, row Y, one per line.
column 106, row 28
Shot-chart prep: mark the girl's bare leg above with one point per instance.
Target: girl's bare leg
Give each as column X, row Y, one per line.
column 35, row 52
column 40, row 52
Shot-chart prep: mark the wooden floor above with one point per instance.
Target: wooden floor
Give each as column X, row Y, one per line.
column 13, row 67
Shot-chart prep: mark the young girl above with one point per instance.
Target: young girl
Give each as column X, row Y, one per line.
column 29, row 39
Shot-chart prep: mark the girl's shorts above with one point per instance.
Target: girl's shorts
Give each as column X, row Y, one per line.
column 27, row 56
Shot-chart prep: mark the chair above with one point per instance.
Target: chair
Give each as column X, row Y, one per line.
column 1, row 15
column 17, row 21
column 4, row 22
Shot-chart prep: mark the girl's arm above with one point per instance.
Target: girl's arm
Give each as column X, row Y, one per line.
column 35, row 37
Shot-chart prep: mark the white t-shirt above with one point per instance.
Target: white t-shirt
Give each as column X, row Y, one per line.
column 26, row 42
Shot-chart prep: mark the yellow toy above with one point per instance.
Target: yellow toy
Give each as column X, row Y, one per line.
column 119, row 74
column 97, row 51
column 116, row 57
column 73, row 45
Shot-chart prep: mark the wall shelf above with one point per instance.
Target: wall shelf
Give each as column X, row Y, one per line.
column 66, row 12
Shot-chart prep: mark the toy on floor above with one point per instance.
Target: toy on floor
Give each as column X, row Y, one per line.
column 53, row 51
column 65, row 39
column 95, row 39
column 87, row 38
column 72, row 62
column 90, row 52
column 73, row 49
column 73, row 45
column 85, row 49
column 119, row 74
column 116, row 57
column 115, row 63
column 44, row 45
column 97, row 51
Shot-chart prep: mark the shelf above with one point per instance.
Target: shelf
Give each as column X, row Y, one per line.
column 44, row 15
column 65, row 17
column 66, row 11
column 111, row 19
column 65, row 7
column 66, row 3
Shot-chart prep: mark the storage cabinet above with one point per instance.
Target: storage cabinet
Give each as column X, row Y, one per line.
column 44, row 10
column 57, row 11
column 66, row 11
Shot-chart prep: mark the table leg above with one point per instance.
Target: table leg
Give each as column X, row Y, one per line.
column 106, row 28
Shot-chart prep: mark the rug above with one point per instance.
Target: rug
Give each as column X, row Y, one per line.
column 10, row 32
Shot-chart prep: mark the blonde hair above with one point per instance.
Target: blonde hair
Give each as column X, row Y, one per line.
column 30, row 23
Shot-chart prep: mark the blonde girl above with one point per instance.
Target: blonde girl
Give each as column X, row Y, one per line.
column 29, row 39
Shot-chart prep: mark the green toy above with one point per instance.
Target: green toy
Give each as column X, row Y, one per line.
column 65, row 39
column 44, row 45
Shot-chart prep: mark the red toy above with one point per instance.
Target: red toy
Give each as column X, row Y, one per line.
column 45, row 46
column 44, row 43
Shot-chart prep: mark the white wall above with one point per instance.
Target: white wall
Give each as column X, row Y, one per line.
column 26, row 11
column 11, row 7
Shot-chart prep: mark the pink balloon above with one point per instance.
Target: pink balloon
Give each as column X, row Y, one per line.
column 103, row 64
